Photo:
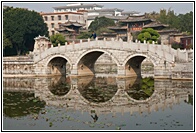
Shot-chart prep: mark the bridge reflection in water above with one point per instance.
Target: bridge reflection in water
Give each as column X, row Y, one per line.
column 98, row 94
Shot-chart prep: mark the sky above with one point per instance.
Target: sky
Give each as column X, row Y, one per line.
column 142, row 7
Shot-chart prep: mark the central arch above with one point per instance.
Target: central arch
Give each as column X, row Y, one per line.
column 86, row 61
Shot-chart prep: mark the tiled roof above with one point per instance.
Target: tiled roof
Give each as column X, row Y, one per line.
column 106, row 10
column 129, row 12
column 64, row 29
column 69, row 23
column 154, row 24
column 190, row 36
column 117, row 28
column 107, row 16
column 135, row 20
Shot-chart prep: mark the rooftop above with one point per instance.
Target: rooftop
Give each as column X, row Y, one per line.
column 69, row 23
column 78, row 6
column 154, row 24
column 106, row 10
column 58, row 13
column 107, row 16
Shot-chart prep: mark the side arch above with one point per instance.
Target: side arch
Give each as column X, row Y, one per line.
column 54, row 56
column 58, row 65
column 144, row 55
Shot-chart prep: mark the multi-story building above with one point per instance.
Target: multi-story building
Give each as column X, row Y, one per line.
column 77, row 6
column 95, row 10
column 53, row 20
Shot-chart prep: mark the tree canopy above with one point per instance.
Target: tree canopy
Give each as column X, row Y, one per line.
column 149, row 35
column 182, row 22
column 57, row 39
column 20, row 27
column 100, row 24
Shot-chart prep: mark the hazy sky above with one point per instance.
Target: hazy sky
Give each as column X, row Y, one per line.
column 178, row 7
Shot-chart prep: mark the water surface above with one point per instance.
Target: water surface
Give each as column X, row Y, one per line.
column 97, row 103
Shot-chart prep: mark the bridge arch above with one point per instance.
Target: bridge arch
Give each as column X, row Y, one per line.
column 132, row 64
column 144, row 55
column 85, row 62
column 58, row 64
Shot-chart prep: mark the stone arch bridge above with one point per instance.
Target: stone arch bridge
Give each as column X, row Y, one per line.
column 128, row 57
column 79, row 59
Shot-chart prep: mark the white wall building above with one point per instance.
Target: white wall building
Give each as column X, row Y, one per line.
column 54, row 19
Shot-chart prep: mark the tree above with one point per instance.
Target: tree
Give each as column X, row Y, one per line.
column 57, row 38
column 84, row 35
column 6, row 42
column 149, row 35
column 101, row 22
column 186, row 22
column 21, row 26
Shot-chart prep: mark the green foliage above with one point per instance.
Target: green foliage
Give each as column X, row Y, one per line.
column 101, row 22
column 177, row 45
column 21, row 26
column 6, row 42
column 148, row 85
column 103, row 29
column 57, row 38
column 84, row 35
column 186, row 22
column 149, row 35
column 183, row 22
column 99, row 25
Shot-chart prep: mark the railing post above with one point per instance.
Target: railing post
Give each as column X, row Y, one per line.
column 138, row 45
column 59, row 47
column 169, row 48
column 147, row 46
column 186, row 54
column 96, row 44
column 104, row 42
column 80, row 43
column 65, row 46
column 73, row 45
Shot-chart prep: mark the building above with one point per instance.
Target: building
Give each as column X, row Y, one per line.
column 69, row 29
column 53, row 20
column 166, row 34
column 74, row 7
column 95, row 10
column 186, row 40
column 130, row 25
column 175, row 37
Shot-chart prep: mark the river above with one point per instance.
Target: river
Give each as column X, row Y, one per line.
column 97, row 103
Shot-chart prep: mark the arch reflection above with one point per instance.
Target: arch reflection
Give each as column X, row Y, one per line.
column 99, row 89
column 59, row 85
column 141, row 89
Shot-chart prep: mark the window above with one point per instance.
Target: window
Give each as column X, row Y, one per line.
column 52, row 32
column 66, row 17
column 52, row 18
column 46, row 18
column 59, row 17
column 52, row 24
